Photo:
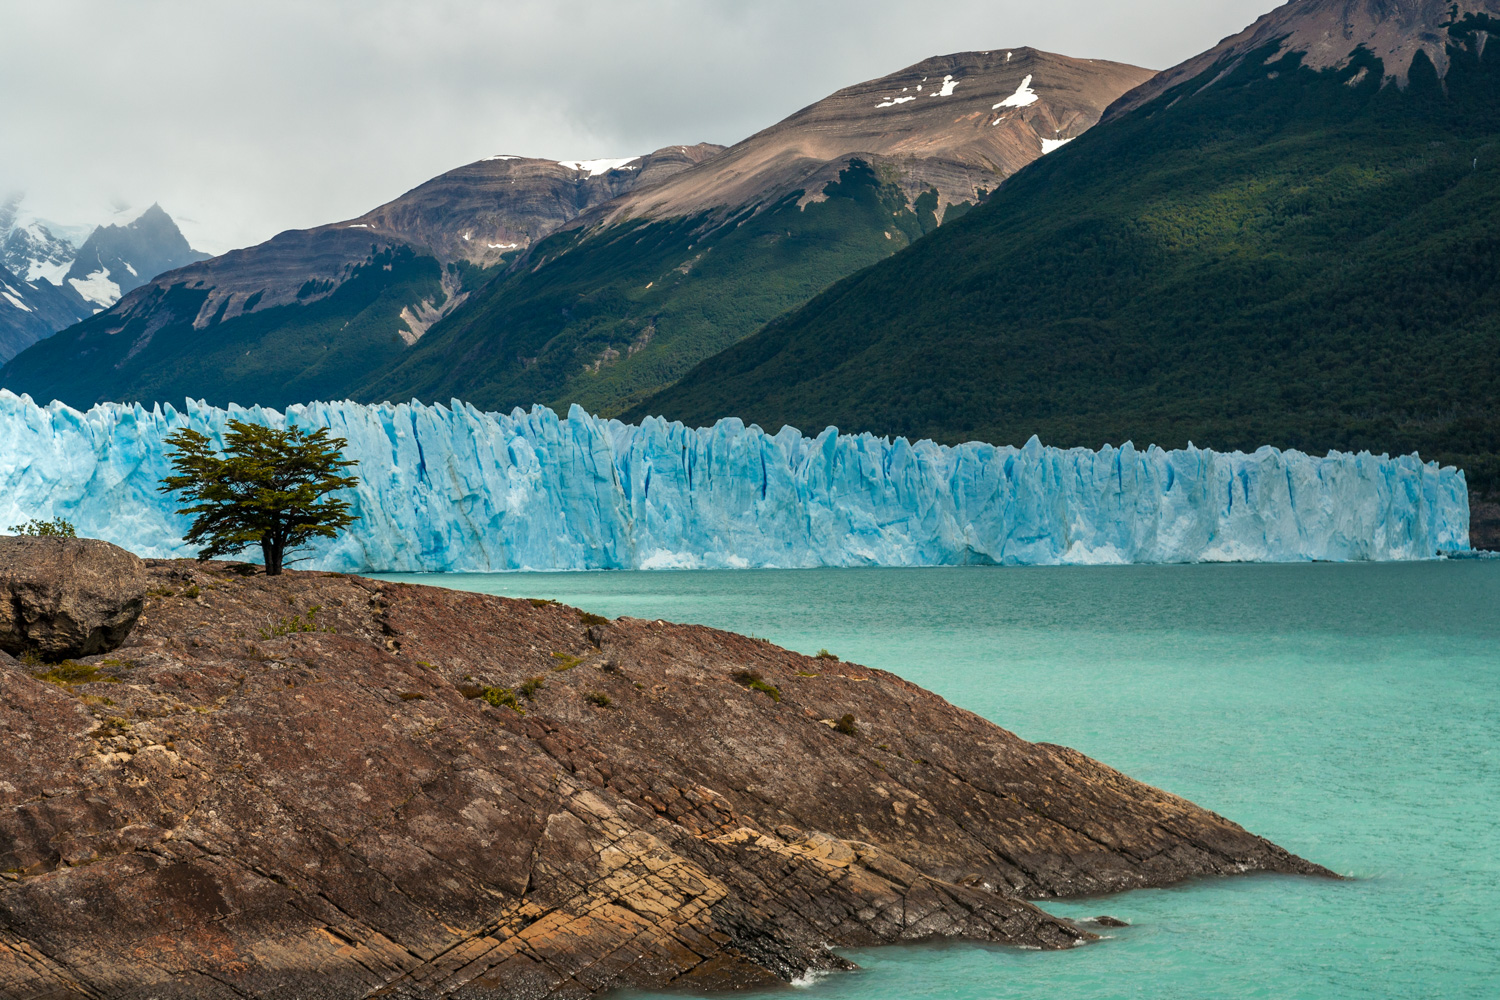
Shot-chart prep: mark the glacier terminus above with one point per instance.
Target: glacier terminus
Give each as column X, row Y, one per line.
column 454, row 489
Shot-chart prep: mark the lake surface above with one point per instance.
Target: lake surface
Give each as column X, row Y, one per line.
column 1350, row 713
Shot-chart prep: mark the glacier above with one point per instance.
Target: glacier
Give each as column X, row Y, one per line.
column 454, row 489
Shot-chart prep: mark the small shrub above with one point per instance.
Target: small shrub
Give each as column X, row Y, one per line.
column 845, row 725
column 824, row 654
column 412, row 696
column 294, row 624
column 497, row 697
column 161, row 592
column 192, row 592
column 566, row 662
column 539, row 602
column 589, row 619
column 755, row 682
column 424, row 663
column 598, row 698
column 55, row 528
column 530, row 686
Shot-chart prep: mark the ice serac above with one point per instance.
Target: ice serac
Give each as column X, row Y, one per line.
column 456, row 489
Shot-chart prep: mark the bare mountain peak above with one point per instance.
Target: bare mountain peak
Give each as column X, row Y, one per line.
column 484, row 210
column 1328, row 33
column 956, row 123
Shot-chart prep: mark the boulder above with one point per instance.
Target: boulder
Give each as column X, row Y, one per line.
column 67, row 597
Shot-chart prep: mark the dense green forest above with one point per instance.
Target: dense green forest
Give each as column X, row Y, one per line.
column 1278, row 256
column 606, row 316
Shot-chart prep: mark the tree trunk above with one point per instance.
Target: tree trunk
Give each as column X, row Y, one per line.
column 273, row 552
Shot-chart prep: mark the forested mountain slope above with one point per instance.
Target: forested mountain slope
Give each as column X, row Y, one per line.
column 1262, row 252
column 631, row 295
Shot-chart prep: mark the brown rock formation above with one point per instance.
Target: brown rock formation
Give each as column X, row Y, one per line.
column 62, row 597
column 318, row 785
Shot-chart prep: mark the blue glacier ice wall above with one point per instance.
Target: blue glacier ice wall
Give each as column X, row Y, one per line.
column 456, row 489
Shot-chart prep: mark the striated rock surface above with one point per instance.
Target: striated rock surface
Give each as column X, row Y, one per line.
column 318, row 785
column 64, row 597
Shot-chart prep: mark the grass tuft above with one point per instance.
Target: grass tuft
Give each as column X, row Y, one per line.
column 70, row 672
column 755, row 682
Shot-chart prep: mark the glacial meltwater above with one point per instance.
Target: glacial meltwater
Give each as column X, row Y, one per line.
column 1350, row 713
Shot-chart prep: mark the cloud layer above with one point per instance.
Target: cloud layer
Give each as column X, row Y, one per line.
column 244, row 119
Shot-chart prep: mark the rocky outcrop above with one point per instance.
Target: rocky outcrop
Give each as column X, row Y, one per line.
column 67, row 597
column 319, row 785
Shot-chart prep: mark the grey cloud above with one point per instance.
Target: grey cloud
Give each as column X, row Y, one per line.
column 247, row 118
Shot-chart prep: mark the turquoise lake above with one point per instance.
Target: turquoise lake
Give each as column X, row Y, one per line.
column 1350, row 713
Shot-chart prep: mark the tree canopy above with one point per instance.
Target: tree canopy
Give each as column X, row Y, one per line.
column 269, row 488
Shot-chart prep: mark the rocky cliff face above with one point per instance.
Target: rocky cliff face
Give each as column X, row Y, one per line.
column 320, row 785
column 117, row 259
column 48, row 283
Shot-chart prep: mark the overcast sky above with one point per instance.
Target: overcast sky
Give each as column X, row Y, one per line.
column 247, row 118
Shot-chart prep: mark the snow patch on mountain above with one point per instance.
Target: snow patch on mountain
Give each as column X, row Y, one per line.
column 598, row 168
column 1023, row 97
column 96, row 287
column 1052, row 145
column 13, row 297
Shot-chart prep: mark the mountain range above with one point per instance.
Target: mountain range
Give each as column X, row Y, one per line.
column 1290, row 239
column 1287, row 240
column 516, row 280
column 55, row 275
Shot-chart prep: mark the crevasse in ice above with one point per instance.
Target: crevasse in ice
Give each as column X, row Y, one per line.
column 455, row 489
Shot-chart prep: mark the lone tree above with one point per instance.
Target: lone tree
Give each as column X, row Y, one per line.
column 269, row 488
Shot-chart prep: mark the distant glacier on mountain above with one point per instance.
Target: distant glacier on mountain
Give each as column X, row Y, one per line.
column 454, row 489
